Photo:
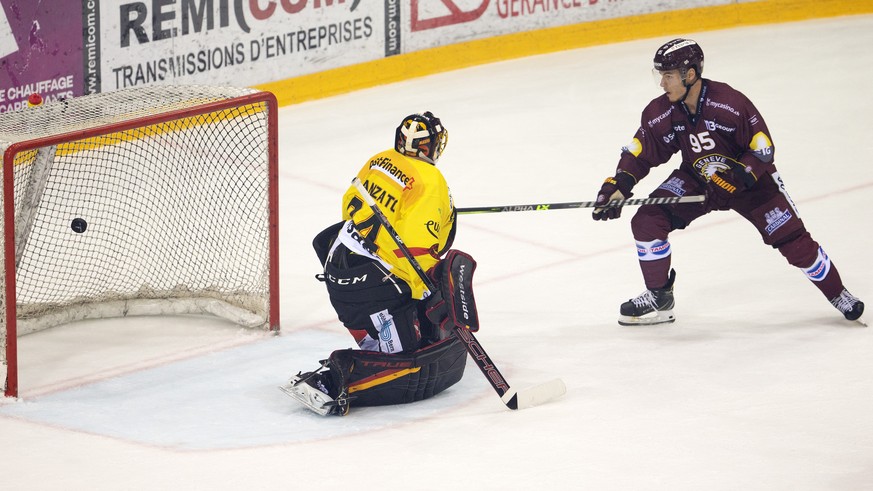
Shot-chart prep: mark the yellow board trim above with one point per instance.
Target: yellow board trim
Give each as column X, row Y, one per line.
column 135, row 134
column 462, row 55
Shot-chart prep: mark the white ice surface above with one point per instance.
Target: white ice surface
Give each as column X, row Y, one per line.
column 759, row 385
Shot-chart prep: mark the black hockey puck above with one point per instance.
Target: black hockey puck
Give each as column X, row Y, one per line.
column 79, row 225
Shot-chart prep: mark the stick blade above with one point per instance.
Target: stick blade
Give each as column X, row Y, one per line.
column 536, row 395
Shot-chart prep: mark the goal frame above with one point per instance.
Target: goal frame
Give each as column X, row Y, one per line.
column 258, row 97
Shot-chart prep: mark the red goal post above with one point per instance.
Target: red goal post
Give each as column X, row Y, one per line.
column 147, row 201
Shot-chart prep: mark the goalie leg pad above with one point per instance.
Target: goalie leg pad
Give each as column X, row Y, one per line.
column 375, row 379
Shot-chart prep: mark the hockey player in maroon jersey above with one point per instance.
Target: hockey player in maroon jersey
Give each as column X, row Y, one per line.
column 727, row 153
column 404, row 332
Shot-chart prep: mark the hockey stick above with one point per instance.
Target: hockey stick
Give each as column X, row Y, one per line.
column 512, row 398
column 583, row 204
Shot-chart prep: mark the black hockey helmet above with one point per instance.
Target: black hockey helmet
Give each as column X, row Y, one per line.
column 679, row 54
column 421, row 135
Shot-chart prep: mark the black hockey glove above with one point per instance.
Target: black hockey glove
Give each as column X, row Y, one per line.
column 437, row 312
column 735, row 179
column 618, row 187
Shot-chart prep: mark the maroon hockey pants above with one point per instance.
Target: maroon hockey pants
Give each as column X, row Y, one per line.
column 766, row 206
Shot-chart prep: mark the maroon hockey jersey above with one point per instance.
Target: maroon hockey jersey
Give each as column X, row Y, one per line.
column 726, row 124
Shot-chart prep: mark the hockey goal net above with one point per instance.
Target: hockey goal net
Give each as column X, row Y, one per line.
column 148, row 201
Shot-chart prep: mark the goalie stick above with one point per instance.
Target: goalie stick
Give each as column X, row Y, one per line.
column 583, row 204
column 512, row 398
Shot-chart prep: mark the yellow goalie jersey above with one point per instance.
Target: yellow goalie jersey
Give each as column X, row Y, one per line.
column 415, row 199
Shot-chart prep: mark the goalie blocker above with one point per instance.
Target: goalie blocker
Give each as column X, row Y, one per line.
column 453, row 303
column 432, row 359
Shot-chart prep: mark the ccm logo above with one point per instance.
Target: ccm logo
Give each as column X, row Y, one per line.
column 347, row 281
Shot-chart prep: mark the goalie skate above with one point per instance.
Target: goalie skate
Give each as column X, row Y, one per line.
column 650, row 307
column 309, row 389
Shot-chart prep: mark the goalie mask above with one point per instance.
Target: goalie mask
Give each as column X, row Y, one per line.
column 421, row 135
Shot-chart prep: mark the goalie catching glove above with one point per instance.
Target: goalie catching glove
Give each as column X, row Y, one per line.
column 452, row 304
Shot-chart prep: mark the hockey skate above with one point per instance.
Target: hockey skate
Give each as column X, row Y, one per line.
column 650, row 307
column 850, row 306
column 312, row 389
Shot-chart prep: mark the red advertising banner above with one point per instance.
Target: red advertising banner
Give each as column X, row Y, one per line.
column 40, row 51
